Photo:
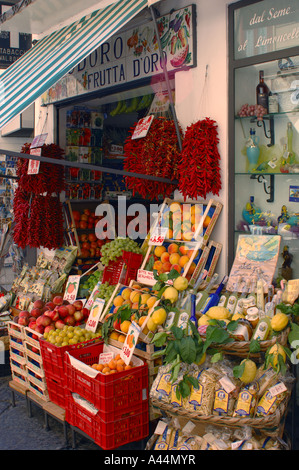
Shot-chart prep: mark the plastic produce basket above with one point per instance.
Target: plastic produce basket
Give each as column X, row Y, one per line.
column 129, row 427
column 56, row 391
column 124, row 269
column 111, row 394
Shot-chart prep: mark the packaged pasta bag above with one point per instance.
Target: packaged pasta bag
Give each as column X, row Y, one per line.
column 161, row 388
column 201, row 399
column 226, row 392
column 216, row 438
column 264, row 378
column 164, row 439
column 275, row 396
column 63, row 259
column 190, row 443
column 246, row 401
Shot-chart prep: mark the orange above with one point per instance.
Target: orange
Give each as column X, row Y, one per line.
column 136, row 286
column 100, row 367
column 117, row 357
column 183, row 260
column 119, row 368
column 151, row 301
column 121, row 338
column 106, row 370
column 207, row 221
column 120, row 362
column 125, row 325
column 113, row 371
column 112, row 364
column 159, row 250
column 128, row 367
column 135, row 296
column 118, row 301
column 114, row 335
column 126, row 293
column 95, row 366
column 142, row 320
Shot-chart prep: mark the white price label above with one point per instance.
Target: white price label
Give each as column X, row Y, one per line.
column 95, row 315
column 142, row 127
column 158, row 236
column 91, row 298
column 130, row 343
column 146, row 277
column 71, row 289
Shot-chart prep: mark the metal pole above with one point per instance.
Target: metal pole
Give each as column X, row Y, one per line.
column 166, row 78
column 87, row 166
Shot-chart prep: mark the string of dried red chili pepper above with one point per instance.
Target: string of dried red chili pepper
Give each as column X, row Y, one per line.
column 157, row 154
column 38, row 214
column 199, row 170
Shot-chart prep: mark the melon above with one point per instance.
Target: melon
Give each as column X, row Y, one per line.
column 179, row 57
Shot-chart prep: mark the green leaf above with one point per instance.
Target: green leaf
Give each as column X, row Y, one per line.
column 216, row 335
column 254, row 346
column 293, row 334
column 187, row 350
column 184, row 389
column 232, row 325
column 160, row 339
column 158, row 285
column 173, row 274
column 177, row 332
column 159, row 353
column 238, row 370
column 163, row 277
column 216, row 357
column 192, row 380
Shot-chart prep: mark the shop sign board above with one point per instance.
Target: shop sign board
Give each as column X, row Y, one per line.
column 264, row 27
column 131, row 56
column 12, row 45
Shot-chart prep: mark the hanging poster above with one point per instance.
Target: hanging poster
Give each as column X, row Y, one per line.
column 255, row 253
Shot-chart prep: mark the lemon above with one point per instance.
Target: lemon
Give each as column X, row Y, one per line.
column 202, row 360
column 159, row 316
column 180, row 283
column 151, row 325
column 171, row 294
column 279, row 321
column 277, row 349
column 203, row 320
column 218, row 313
column 237, row 316
column 249, row 372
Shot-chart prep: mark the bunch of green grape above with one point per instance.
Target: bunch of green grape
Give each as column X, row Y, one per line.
column 114, row 249
column 69, row 335
column 92, row 281
column 105, row 291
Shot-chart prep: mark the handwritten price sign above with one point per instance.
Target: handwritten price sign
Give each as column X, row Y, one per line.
column 71, row 289
column 130, row 343
column 95, row 315
column 158, row 236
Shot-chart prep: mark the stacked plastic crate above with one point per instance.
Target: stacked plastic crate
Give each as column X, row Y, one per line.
column 113, row 410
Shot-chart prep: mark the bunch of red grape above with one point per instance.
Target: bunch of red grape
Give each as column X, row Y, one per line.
column 252, row 110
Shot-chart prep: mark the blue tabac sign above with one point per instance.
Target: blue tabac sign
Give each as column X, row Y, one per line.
column 266, row 26
column 11, row 48
column 132, row 55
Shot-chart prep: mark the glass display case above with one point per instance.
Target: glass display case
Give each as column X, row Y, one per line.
column 264, row 133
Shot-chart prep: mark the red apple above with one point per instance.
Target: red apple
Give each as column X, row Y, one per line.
column 78, row 304
column 43, row 320
column 51, row 305
column 59, row 324
column 58, row 300
column 24, row 313
column 49, row 328
column 53, row 314
column 63, row 311
column 70, row 320
column 71, row 309
column 78, row 315
column 36, row 312
column 65, row 302
column 85, row 312
column 23, row 321
column 39, row 329
column 38, row 304
column 32, row 324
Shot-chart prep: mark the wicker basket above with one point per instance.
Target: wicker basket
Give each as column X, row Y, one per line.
column 241, row 348
column 271, row 425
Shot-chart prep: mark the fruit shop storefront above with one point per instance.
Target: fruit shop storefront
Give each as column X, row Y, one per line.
column 124, row 296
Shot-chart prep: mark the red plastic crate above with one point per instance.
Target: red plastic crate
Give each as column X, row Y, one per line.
column 131, row 261
column 53, row 356
column 56, row 390
column 108, row 393
column 129, row 427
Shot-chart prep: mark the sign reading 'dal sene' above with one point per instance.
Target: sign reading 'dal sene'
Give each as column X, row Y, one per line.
column 95, row 315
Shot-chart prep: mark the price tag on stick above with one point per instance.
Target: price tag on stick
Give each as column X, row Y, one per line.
column 71, row 289
column 130, row 343
column 95, row 315
column 158, row 236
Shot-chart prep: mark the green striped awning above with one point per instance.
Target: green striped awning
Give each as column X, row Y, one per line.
column 55, row 55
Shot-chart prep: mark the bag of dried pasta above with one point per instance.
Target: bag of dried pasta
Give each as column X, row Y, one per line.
column 272, row 398
column 264, row 379
column 226, row 392
column 246, row 401
column 201, row 399
column 161, row 388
